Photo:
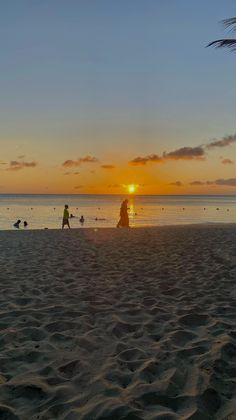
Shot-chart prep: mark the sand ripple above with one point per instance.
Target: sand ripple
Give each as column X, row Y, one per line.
column 118, row 324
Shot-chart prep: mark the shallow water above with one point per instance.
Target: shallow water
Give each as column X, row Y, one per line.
column 42, row 211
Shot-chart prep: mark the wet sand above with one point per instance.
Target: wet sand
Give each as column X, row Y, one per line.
column 118, row 324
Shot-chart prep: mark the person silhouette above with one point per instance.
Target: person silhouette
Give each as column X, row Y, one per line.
column 124, row 218
column 65, row 220
column 81, row 219
column 17, row 224
column 25, row 224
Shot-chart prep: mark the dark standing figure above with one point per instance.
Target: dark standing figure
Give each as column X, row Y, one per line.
column 65, row 220
column 124, row 218
column 81, row 219
column 25, row 224
column 17, row 224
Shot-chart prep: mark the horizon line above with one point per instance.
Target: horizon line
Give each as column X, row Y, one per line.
column 126, row 194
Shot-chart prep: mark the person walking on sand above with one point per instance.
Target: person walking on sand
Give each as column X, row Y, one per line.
column 124, row 218
column 66, row 216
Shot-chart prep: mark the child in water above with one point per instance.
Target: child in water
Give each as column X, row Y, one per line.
column 81, row 219
column 66, row 215
column 17, row 224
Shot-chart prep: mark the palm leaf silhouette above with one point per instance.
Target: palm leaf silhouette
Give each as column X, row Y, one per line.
column 226, row 43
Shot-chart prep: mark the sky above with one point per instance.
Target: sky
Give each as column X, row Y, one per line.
column 98, row 95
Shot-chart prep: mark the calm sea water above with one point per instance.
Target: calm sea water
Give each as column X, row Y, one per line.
column 41, row 211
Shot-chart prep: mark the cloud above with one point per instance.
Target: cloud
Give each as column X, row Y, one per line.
column 71, row 173
column 71, row 163
column 114, row 186
column 141, row 161
column 227, row 161
column 231, row 182
column 21, row 157
column 107, row 166
column 77, row 187
column 197, row 183
column 15, row 165
column 225, row 141
column 176, row 184
column 186, row 153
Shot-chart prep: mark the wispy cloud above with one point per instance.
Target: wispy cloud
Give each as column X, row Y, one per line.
column 227, row 161
column 15, row 165
column 107, row 166
column 197, row 183
column 114, row 186
column 72, row 163
column 224, row 142
column 71, row 173
column 176, row 183
column 141, row 161
column 184, row 153
column 231, row 182
column 77, row 187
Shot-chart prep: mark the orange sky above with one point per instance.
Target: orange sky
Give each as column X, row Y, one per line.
column 92, row 175
column 105, row 89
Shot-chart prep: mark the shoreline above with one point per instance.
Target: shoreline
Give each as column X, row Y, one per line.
column 182, row 225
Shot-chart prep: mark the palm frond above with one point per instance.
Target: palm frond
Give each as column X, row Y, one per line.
column 224, row 43
column 230, row 22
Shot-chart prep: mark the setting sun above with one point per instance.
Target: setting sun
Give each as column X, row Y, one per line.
column 131, row 188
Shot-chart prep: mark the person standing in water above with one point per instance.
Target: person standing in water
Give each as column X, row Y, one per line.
column 17, row 224
column 66, row 216
column 124, row 218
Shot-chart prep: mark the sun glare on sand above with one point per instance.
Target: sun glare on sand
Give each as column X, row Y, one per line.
column 131, row 188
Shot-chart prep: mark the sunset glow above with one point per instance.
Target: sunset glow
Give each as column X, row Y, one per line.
column 83, row 116
column 131, row 188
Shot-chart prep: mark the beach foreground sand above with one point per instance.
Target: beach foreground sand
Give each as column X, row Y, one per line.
column 118, row 324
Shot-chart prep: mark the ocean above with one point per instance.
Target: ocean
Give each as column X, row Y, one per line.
column 45, row 211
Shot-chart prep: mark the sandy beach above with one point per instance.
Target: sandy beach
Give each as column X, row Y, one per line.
column 118, row 324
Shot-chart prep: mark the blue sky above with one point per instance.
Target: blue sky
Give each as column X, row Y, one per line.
column 113, row 78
